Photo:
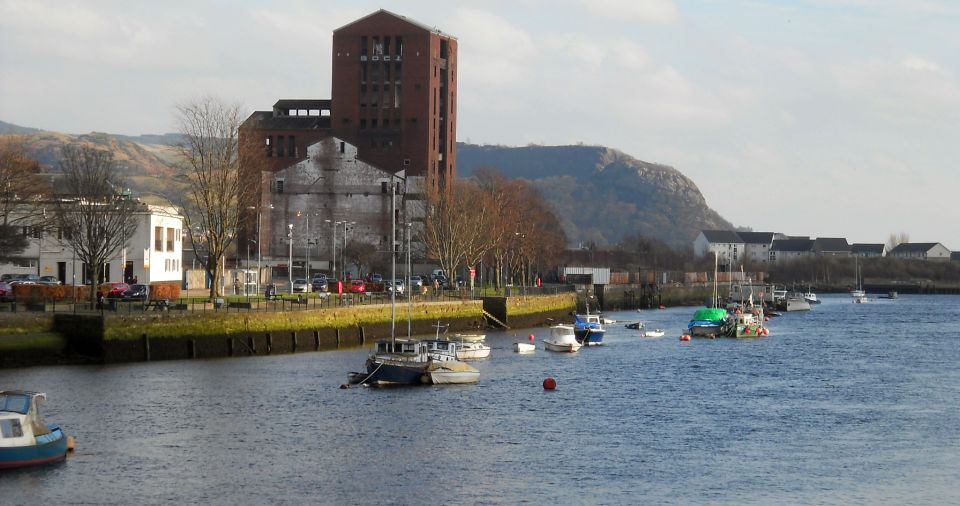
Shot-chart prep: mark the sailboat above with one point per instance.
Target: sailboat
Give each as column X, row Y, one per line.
column 410, row 361
column 859, row 296
column 711, row 321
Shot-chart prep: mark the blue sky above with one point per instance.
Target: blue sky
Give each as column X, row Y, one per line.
column 830, row 118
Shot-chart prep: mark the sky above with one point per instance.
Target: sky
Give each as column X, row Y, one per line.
column 824, row 118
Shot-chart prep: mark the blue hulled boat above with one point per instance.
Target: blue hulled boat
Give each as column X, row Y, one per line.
column 24, row 439
column 589, row 329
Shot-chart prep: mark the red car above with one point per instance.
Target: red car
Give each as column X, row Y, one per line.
column 6, row 291
column 114, row 289
column 358, row 286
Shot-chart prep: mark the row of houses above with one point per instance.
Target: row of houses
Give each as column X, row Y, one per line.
column 733, row 247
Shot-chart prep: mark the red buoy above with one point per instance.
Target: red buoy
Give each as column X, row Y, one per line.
column 662, row 306
column 549, row 384
column 530, row 337
column 685, row 337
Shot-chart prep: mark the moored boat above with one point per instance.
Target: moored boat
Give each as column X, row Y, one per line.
column 654, row 333
column 468, row 337
column 412, row 362
column 588, row 329
column 710, row 322
column 472, row 350
column 562, row 339
column 521, row 347
column 24, row 438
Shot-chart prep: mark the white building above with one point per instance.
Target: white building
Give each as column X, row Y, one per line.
column 921, row 251
column 152, row 254
column 726, row 244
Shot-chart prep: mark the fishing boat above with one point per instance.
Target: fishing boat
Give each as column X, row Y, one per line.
column 414, row 362
column 562, row 339
column 748, row 322
column 588, row 328
column 634, row 326
column 654, row 333
column 710, row 322
column 472, row 350
column 810, row 297
column 24, row 439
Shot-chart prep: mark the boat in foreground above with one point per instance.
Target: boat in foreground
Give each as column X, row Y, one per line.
column 562, row 339
column 24, row 439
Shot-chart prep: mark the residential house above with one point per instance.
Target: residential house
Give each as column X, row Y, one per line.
column 868, row 250
column 921, row 251
column 726, row 244
column 757, row 245
column 831, row 247
column 783, row 250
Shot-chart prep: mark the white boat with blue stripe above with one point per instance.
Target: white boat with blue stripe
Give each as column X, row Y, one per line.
column 24, row 439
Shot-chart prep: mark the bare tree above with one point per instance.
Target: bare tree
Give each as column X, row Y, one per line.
column 20, row 186
column 896, row 239
column 360, row 254
column 97, row 219
column 211, row 163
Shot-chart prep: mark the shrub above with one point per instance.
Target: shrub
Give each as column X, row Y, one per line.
column 164, row 290
column 34, row 293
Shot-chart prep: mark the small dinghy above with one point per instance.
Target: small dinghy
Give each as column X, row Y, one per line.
column 24, row 439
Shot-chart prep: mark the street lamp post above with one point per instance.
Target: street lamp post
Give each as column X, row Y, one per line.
column 290, row 261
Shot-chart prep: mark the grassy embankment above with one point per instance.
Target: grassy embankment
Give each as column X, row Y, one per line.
column 25, row 331
column 191, row 325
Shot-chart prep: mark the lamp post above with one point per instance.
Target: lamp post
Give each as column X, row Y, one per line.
column 343, row 252
column 333, row 246
column 290, row 261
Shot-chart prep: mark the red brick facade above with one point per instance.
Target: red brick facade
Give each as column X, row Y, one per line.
column 394, row 95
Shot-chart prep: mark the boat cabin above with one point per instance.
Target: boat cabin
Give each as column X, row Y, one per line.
column 20, row 418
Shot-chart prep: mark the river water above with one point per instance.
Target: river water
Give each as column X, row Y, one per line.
column 845, row 404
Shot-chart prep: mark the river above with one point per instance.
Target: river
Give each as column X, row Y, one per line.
column 845, row 404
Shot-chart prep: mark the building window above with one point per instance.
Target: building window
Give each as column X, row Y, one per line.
column 292, row 146
column 170, row 236
column 269, row 146
column 342, row 146
column 278, row 185
column 363, row 123
column 158, row 238
column 279, row 147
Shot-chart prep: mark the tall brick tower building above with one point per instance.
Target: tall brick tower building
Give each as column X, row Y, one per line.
column 320, row 170
column 394, row 95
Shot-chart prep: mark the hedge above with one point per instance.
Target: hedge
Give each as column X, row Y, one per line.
column 29, row 293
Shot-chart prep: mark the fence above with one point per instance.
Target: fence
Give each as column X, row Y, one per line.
column 283, row 302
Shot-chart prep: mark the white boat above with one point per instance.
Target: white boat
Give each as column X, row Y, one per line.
column 810, row 297
column 654, row 333
column 471, row 350
column 562, row 339
column 468, row 338
column 24, row 438
column 521, row 347
column 607, row 321
column 859, row 295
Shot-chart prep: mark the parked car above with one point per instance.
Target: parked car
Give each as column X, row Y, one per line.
column 301, row 286
column 49, row 280
column 441, row 279
column 114, row 289
column 24, row 279
column 6, row 277
column 375, row 278
column 388, row 286
column 319, row 283
column 358, row 286
column 6, row 291
column 416, row 281
column 136, row 292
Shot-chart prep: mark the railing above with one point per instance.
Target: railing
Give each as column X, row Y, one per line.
column 282, row 302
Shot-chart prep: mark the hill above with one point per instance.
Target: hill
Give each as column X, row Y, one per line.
column 601, row 194
column 147, row 166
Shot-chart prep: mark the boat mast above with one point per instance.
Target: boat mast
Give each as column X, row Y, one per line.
column 393, row 260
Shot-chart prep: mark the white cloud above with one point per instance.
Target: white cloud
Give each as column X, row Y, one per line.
column 499, row 54
column 634, row 11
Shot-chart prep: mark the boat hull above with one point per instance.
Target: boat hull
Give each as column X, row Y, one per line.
column 654, row 333
column 589, row 337
column 524, row 347
column 705, row 329
column 563, row 347
column 385, row 372
column 51, row 447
